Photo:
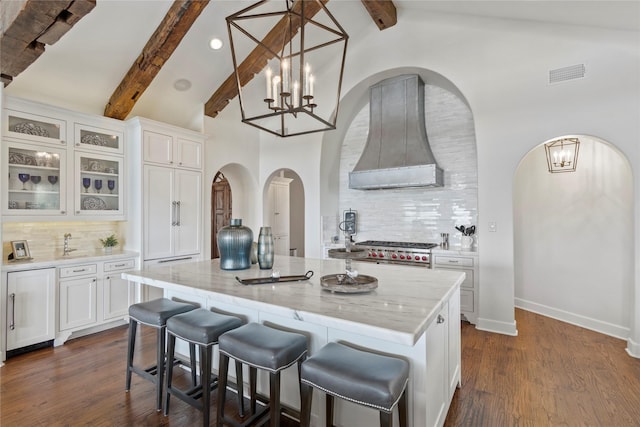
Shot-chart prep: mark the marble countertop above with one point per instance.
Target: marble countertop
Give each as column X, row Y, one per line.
column 455, row 250
column 406, row 301
column 72, row 259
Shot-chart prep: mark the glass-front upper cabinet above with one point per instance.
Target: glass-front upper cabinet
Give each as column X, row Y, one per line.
column 99, row 185
column 36, row 180
column 33, row 127
column 98, row 139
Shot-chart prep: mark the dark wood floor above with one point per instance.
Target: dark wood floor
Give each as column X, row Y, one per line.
column 551, row 374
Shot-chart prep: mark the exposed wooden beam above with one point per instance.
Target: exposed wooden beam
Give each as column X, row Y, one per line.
column 32, row 24
column 257, row 60
column 383, row 12
column 177, row 22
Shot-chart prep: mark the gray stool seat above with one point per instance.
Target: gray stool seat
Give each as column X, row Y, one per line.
column 156, row 312
column 361, row 377
column 260, row 347
column 153, row 313
column 264, row 347
column 203, row 328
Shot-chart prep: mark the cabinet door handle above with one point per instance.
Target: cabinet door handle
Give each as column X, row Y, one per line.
column 120, row 265
column 440, row 319
column 94, row 280
column 178, row 216
column 173, row 214
column 108, row 277
column 164, row 261
column 12, row 323
column 453, row 261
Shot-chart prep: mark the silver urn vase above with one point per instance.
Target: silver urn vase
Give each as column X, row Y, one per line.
column 234, row 244
column 265, row 248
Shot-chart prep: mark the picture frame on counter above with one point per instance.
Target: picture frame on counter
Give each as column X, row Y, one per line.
column 20, row 250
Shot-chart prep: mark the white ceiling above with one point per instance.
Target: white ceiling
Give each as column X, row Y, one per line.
column 82, row 70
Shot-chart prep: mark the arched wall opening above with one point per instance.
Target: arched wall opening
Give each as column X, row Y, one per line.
column 574, row 238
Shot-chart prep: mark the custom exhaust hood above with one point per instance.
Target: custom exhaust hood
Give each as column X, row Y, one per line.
column 397, row 153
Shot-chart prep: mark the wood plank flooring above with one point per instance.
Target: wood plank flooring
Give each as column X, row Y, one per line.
column 551, row 374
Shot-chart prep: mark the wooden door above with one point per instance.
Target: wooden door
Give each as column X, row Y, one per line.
column 220, row 211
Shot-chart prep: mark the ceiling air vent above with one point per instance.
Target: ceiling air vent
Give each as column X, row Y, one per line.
column 566, row 73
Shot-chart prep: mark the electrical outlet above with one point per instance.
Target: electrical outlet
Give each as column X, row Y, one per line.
column 493, row 227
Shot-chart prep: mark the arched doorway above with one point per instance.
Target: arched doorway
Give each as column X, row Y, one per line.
column 573, row 238
column 220, row 209
column 284, row 211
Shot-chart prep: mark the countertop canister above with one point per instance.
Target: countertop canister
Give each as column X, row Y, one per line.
column 265, row 248
column 234, row 244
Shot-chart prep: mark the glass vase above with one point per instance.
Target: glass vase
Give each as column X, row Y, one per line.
column 234, row 244
column 265, row 248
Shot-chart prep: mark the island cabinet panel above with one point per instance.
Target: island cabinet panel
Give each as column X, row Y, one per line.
column 30, row 307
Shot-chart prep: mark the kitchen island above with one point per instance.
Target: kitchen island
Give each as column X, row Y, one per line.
column 414, row 313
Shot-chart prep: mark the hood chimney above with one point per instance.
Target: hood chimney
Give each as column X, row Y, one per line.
column 397, row 153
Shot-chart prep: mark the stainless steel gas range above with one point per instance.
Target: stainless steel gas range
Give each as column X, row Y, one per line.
column 406, row 253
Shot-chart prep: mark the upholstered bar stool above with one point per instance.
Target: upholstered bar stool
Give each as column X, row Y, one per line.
column 361, row 377
column 155, row 314
column 201, row 328
column 259, row 347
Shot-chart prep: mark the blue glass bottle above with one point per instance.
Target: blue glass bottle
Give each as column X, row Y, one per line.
column 234, row 244
column 265, row 248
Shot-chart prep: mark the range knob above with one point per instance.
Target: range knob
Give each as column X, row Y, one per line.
column 394, row 256
column 417, row 257
column 402, row 257
column 374, row 254
column 380, row 255
column 424, row 257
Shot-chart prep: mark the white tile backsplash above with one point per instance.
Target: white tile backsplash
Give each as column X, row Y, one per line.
column 419, row 214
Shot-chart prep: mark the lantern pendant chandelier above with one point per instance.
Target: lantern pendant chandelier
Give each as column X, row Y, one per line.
column 562, row 154
column 276, row 53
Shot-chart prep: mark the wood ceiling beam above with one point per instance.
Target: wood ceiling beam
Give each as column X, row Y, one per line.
column 257, row 60
column 383, row 12
column 32, row 24
column 163, row 42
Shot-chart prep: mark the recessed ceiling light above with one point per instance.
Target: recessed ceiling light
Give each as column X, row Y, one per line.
column 215, row 44
column 182, row 85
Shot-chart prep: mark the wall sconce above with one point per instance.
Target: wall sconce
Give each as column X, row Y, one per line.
column 284, row 48
column 562, row 155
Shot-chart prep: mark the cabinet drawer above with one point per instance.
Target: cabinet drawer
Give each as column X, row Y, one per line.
column 123, row 264
column 453, row 261
column 466, row 301
column 78, row 270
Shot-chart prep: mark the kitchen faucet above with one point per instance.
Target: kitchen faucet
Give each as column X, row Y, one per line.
column 67, row 237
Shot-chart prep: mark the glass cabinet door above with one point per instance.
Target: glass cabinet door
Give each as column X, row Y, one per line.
column 99, row 185
column 98, row 139
column 36, row 180
column 34, row 128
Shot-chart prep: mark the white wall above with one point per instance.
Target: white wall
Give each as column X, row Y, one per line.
column 574, row 238
column 501, row 67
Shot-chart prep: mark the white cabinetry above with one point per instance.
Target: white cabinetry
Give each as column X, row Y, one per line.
column 278, row 214
column 30, row 307
column 92, row 295
column 172, row 215
column 467, row 262
column 170, row 149
column 78, row 296
column 44, row 183
column 166, row 175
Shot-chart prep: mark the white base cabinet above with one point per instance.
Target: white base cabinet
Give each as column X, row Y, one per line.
column 91, row 296
column 30, row 307
column 468, row 263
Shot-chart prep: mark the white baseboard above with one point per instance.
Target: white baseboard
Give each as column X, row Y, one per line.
column 575, row 319
column 633, row 348
column 497, row 327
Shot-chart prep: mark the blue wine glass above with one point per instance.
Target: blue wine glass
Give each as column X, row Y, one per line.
column 36, row 179
column 98, row 184
column 86, row 183
column 23, row 177
column 111, row 184
column 53, row 179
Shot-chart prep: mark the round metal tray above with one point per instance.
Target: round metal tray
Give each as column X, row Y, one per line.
column 341, row 283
